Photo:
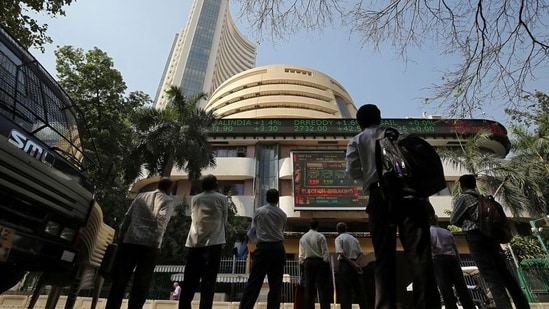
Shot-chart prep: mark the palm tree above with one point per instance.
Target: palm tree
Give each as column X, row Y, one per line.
column 531, row 145
column 496, row 175
column 175, row 136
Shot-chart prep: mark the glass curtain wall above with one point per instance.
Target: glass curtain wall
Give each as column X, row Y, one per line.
column 197, row 63
column 267, row 171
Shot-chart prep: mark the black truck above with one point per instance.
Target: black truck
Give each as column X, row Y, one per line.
column 45, row 196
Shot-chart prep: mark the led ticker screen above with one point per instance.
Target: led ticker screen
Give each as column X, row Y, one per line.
column 320, row 182
column 349, row 127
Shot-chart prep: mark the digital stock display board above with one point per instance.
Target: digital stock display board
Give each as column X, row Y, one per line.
column 320, row 182
column 349, row 127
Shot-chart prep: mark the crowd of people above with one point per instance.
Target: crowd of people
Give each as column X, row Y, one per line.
column 411, row 218
column 430, row 250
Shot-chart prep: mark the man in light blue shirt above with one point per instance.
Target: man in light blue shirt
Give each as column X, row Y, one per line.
column 447, row 268
column 269, row 257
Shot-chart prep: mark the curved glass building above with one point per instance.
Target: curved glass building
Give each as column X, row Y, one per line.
column 206, row 52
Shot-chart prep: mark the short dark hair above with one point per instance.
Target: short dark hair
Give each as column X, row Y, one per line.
column 341, row 227
column 165, row 184
column 468, row 181
column 367, row 115
column 209, row 182
column 272, row 196
column 314, row 224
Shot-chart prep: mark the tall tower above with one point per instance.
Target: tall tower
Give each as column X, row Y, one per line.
column 206, row 52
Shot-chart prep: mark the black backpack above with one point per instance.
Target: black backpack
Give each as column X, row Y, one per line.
column 492, row 220
column 408, row 166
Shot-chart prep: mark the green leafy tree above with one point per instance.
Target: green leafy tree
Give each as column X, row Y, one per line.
column 494, row 174
column 500, row 44
column 523, row 176
column 98, row 91
column 173, row 244
column 526, row 247
column 236, row 228
column 17, row 18
column 530, row 129
column 176, row 136
column 531, row 257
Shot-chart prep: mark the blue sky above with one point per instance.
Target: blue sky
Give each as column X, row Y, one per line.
column 138, row 35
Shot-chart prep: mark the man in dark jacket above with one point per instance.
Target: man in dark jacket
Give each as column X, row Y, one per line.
column 385, row 215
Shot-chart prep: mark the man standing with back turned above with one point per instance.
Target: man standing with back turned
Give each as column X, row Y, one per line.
column 447, row 268
column 486, row 252
column 141, row 236
column 209, row 215
column 313, row 256
column 349, row 273
column 386, row 214
column 269, row 257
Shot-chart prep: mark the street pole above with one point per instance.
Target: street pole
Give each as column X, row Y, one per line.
column 538, row 234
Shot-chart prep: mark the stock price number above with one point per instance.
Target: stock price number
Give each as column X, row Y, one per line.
column 310, row 128
column 266, row 129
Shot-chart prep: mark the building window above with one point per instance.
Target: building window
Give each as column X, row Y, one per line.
column 235, row 187
column 232, row 187
column 230, row 152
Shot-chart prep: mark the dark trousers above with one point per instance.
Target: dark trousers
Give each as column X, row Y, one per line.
column 268, row 260
column 491, row 263
column 317, row 279
column 130, row 257
column 411, row 219
column 349, row 281
column 449, row 276
column 202, row 263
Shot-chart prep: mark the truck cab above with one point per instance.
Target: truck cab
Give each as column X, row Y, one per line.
column 45, row 196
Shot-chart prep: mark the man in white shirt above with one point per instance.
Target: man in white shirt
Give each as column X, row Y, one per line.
column 349, row 274
column 209, row 215
column 313, row 257
column 141, row 233
column 269, row 257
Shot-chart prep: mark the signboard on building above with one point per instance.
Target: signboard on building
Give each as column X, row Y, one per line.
column 349, row 127
column 320, row 182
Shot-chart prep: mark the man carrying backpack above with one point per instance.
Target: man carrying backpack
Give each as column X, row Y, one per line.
column 386, row 214
column 485, row 251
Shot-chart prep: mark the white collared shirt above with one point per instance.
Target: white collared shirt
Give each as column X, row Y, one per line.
column 209, row 215
column 347, row 244
column 313, row 245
